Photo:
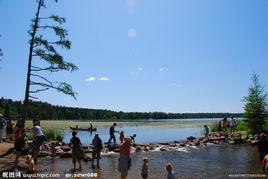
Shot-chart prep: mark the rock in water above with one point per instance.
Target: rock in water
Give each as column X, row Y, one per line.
column 191, row 138
column 66, row 155
column 65, row 148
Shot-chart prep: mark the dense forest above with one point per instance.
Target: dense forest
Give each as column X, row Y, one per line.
column 46, row 111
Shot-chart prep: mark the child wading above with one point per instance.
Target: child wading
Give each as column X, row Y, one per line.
column 170, row 174
column 77, row 153
column 97, row 147
column 122, row 136
column 144, row 168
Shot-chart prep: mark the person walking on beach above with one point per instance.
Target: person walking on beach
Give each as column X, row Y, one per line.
column 144, row 168
column 169, row 169
column 124, row 160
column 112, row 136
column 3, row 122
column 233, row 124
column 97, row 147
column 38, row 139
column 77, row 153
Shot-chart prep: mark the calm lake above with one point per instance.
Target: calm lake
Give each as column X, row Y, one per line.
column 148, row 131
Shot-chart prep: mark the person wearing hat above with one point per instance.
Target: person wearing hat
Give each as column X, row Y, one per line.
column 3, row 122
column 124, row 161
column 97, row 147
column 77, row 153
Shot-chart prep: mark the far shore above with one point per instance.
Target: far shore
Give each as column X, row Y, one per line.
column 65, row 124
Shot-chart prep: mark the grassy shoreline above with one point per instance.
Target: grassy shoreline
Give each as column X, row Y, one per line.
column 65, row 124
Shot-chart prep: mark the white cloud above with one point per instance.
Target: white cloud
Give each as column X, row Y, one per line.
column 161, row 69
column 140, row 69
column 104, row 79
column 131, row 3
column 132, row 32
column 91, row 79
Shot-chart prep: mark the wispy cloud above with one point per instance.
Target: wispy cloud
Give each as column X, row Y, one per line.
column 139, row 68
column 132, row 32
column 104, row 79
column 131, row 3
column 162, row 69
column 90, row 79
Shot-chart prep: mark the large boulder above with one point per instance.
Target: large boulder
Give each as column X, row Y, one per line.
column 191, row 138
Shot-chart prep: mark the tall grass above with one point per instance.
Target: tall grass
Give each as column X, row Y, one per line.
column 54, row 134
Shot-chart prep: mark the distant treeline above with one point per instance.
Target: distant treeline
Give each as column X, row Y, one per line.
column 48, row 111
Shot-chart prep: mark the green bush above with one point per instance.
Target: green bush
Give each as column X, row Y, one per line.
column 54, row 134
column 29, row 136
column 214, row 127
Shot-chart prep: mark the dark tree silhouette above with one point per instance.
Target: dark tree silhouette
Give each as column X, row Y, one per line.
column 46, row 52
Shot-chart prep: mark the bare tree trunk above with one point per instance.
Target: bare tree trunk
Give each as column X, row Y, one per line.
column 26, row 98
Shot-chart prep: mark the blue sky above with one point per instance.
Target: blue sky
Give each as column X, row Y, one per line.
column 153, row 55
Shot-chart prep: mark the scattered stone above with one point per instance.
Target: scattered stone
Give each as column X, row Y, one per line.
column 66, row 155
column 65, row 148
column 87, row 158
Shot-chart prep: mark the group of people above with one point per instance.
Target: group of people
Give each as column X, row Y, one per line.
column 124, row 160
column 224, row 124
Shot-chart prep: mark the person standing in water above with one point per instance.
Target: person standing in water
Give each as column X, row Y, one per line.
column 97, row 147
column 112, row 136
column 124, row 160
column 206, row 131
column 77, row 153
column 233, row 124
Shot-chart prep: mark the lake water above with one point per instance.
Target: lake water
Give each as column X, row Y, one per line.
column 150, row 131
column 210, row 161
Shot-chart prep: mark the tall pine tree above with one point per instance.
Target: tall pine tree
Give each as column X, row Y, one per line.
column 255, row 106
column 44, row 52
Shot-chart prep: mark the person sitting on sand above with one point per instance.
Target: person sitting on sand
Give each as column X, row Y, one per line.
column 133, row 138
column 206, row 131
column 122, row 136
column 170, row 174
column 144, row 168
column 97, row 147
column 9, row 129
column 77, row 153
column 112, row 136
column 31, row 165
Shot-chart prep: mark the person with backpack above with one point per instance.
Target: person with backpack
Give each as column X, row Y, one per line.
column 3, row 122
column 97, row 147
